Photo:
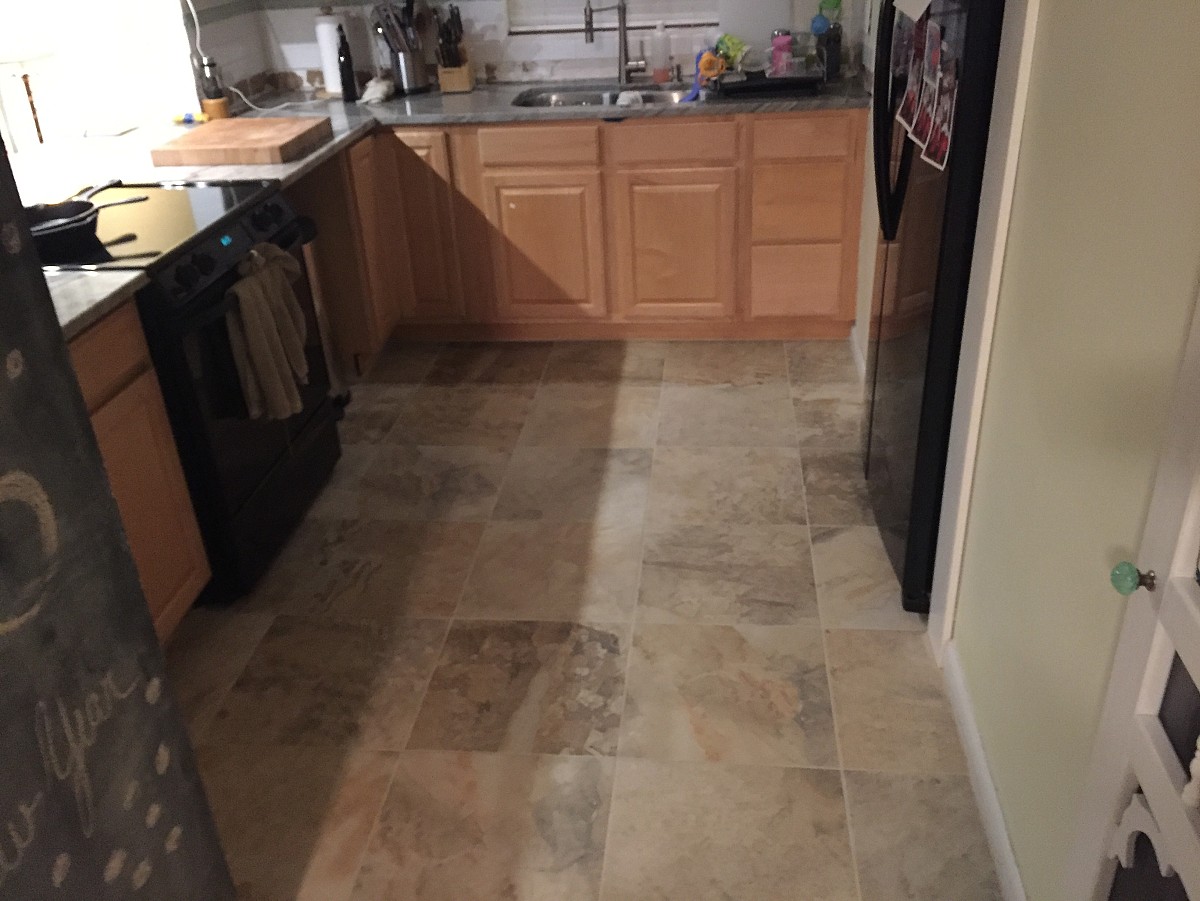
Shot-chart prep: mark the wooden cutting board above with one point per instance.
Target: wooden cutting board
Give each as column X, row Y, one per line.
column 245, row 142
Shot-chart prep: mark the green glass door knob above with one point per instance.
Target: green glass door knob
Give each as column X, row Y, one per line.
column 1127, row 579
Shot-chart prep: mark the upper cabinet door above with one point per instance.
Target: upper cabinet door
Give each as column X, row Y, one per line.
column 426, row 192
column 674, row 240
column 547, row 243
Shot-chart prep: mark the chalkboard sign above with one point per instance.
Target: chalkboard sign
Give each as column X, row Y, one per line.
column 99, row 794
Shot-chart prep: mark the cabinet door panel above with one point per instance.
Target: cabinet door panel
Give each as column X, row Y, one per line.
column 148, row 484
column 547, row 244
column 796, row 280
column 384, row 268
column 674, row 241
column 799, row 201
column 423, row 161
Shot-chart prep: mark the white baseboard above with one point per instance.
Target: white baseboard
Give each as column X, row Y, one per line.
column 986, row 798
column 860, row 362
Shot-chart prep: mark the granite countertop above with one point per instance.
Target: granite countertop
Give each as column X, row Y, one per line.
column 84, row 298
column 80, row 298
column 494, row 104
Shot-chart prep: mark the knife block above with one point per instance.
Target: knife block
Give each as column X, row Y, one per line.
column 458, row 80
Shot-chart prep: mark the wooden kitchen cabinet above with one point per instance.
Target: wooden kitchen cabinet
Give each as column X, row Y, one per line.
column 547, row 243
column 673, row 240
column 130, row 421
column 805, row 215
column 421, row 161
column 713, row 226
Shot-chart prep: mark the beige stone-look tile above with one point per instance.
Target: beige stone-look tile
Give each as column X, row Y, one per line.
column 737, row 363
column 489, row 364
column 715, row 832
column 822, row 361
column 857, row 587
column 575, row 485
column 341, row 496
column 463, row 417
column 891, row 712
column 729, row 694
column 425, row 484
column 370, row 569
column 543, row 688
column 753, row 416
column 829, row 416
column 206, row 655
column 728, row 574
column 607, row 362
column 837, row 489
column 401, row 363
column 575, row 572
column 476, row 827
column 331, row 683
column 586, row 415
column 726, row 485
column 372, row 412
column 294, row 822
column 918, row 838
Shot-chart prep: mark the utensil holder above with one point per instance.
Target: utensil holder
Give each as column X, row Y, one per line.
column 460, row 79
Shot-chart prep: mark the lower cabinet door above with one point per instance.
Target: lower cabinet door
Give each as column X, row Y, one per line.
column 674, row 239
column 148, row 484
column 547, row 231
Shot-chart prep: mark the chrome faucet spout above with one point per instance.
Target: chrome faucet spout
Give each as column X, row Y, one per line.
column 625, row 66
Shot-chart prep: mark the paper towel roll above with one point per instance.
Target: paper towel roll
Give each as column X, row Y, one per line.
column 327, row 44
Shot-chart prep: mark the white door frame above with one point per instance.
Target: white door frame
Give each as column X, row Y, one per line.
column 1130, row 748
column 991, row 240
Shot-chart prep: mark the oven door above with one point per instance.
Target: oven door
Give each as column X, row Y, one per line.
column 238, row 453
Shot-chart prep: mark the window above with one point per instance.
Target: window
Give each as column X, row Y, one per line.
column 567, row 15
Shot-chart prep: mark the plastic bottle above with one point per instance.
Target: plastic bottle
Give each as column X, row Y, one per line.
column 346, row 68
column 660, row 54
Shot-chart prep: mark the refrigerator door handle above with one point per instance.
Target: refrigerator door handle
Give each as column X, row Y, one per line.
column 886, row 102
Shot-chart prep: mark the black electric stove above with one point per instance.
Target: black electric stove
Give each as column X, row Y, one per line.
column 251, row 480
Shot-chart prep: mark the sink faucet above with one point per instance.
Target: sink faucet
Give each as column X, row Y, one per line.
column 625, row 66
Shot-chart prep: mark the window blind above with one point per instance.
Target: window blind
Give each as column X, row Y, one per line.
column 547, row 15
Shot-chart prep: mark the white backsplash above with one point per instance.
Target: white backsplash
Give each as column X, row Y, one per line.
column 283, row 39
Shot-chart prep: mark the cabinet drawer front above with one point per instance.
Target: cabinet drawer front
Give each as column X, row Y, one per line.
column 799, row 201
column 109, row 355
column 562, row 145
column 795, row 280
column 812, row 135
column 671, row 142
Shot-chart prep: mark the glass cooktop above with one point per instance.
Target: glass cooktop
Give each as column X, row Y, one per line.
column 145, row 232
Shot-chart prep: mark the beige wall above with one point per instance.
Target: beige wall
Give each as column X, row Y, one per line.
column 1099, row 283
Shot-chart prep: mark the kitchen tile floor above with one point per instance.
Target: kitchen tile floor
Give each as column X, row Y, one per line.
column 586, row 622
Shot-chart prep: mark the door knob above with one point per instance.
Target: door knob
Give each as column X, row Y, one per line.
column 1127, row 579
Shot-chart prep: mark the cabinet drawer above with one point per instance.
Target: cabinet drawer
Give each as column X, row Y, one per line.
column 813, row 135
column 672, row 142
column 799, row 201
column 561, row 145
column 109, row 355
column 795, row 280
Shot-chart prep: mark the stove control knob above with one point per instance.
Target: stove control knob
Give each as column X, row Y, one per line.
column 187, row 275
column 205, row 264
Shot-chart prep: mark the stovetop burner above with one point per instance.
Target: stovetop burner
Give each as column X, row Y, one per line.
column 148, row 235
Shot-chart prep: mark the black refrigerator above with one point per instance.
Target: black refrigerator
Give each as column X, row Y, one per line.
column 933, row 84
column 99, row 793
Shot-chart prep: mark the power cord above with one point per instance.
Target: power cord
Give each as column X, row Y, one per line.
column 250, row 103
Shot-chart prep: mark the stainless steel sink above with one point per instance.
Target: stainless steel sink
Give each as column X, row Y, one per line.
column 600, row 95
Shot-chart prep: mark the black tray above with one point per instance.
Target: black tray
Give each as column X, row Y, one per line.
column 748, row 88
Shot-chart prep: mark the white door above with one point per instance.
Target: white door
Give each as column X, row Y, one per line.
column 1140, row 801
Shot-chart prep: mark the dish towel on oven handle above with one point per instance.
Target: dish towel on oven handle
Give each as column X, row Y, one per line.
column 267, row 331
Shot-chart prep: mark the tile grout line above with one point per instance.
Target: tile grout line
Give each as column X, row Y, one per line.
column 837, row 736
column 633, row 627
